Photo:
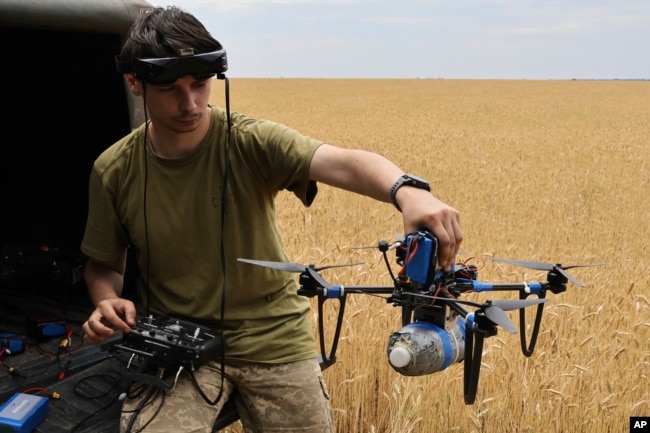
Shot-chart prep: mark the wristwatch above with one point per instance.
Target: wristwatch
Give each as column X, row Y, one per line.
column 408, row 180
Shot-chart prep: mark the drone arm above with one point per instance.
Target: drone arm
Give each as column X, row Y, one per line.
column 534, row 288
column 385, row 256
column 458, row 308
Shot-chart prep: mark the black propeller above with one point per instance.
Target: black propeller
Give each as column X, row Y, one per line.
column 292, row 267
column 541, row 266
column 281, row 266
column 310, row 270
column 494, row 310
column 310, row 277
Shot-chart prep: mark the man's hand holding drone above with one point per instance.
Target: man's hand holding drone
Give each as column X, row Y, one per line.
column 420, row 210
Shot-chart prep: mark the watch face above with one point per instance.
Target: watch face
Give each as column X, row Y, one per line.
column 416, row 180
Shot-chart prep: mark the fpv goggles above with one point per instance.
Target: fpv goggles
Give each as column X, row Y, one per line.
column 167, row 70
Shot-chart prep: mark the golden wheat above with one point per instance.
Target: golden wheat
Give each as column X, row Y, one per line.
column 553, row 171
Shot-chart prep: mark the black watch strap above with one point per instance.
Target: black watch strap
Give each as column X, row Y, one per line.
column 408, row 180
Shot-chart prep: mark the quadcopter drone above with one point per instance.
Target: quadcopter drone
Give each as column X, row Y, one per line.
column 437, row 328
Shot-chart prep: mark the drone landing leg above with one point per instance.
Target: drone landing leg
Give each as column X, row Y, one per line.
column 528, row 348
column 329, row 358
column 473, row 354
column 472, row 365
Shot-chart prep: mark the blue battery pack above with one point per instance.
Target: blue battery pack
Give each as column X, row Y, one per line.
column 422, row 257
column 22, row 413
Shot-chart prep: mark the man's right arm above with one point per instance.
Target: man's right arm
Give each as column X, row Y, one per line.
column 105, row 280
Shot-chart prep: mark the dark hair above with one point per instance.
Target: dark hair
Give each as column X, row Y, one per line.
column 166, row 32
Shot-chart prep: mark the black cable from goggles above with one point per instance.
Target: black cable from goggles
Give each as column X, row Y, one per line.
column 145, row 287
column 224, row 201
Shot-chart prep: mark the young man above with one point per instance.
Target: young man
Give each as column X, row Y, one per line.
column 192, row 190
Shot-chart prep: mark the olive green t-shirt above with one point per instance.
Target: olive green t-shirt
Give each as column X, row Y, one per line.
column 170, row 213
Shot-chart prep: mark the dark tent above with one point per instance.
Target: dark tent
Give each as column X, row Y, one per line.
column 64, row 103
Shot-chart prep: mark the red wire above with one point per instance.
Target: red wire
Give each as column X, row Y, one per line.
column 35, row 389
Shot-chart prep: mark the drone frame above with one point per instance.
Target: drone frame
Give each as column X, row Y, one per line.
column 456, row 282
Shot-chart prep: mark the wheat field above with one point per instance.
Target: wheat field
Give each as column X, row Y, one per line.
column 551, row 171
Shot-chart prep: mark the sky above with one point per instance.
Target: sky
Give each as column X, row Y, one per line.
column 454, row 39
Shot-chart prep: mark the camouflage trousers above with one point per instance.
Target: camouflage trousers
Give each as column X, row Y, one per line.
column 270, row 398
